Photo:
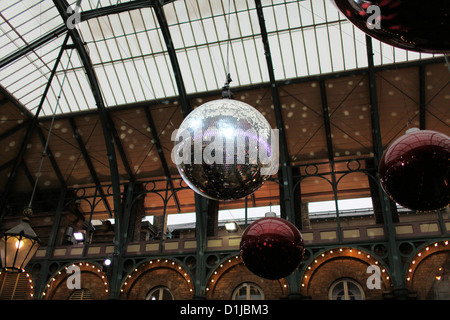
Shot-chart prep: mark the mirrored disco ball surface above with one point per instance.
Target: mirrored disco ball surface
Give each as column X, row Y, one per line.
column 416, row 25
column 415, row 170
column 272, row 248
column 225, row 149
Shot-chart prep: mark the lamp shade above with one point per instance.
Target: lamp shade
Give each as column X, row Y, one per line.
column 17, row 246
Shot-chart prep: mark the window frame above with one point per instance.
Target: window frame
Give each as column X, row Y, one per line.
column 160, row 290
column 80, row 295
column 345, row 282
column 248, row 286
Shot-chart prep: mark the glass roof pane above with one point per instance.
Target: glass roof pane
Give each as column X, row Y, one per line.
column 22, row 22
column 203, row 25
column 324, row 50
column 130, row 57
column 95, row 4
column 27, row 77
column 129, row 53
column 313, row 37
column 71, row 80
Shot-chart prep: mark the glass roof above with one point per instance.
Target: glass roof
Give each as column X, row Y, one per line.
column 131, row 60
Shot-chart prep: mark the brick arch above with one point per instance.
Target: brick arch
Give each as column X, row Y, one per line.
column 156, row 273
column 232, row 272
column 332, row 265
column 16, row 286
column 92, row 279
column 423, row 275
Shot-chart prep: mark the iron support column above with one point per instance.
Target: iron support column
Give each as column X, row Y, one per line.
column 185, row 107
column 327, row 124
column 43, row 274
column 62, row 6
column 201, row 214
column 162, row 158
column 395, row 263
column 286, row 169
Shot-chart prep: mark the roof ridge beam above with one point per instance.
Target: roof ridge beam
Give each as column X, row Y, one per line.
column 32, row 46
column 185, row 107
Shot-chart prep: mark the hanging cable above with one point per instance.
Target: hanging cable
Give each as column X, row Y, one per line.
column 229, row 40
column 44, row 153
column 226, row 92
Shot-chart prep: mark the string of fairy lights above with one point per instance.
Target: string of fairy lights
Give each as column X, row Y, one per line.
column 152, row 264
column 30, row 289
column 424, row 253
column 214, row 277
column 342, row 252
column 84, row 267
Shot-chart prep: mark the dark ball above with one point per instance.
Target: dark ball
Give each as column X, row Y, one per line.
column 415, row 170
column 416, row 25
column 272, row 248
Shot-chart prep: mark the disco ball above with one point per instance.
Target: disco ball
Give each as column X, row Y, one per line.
column 416, row 25
column 225, row 149
column 415, row 170
column 272, row 248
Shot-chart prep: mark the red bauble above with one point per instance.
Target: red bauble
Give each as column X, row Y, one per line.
column 415, row 25
column 272, row 248
column 415, row 170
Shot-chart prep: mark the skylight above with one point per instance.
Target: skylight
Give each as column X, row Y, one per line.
column 343, row 205
column 131, row 60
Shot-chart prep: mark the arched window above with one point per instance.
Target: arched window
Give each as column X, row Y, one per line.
column 81, row 294
column 248, row 291
column 159, row 293
column 15, row 285
column 346, row 289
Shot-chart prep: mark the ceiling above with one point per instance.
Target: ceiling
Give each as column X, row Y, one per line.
column 130, row 57
column 314, row 51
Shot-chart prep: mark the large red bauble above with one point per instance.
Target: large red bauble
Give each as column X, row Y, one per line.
column 415, row 25
column 272, row 248
column 415, row 170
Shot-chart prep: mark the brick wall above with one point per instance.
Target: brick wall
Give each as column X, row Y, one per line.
column 231, row 276
column 157, row 273
column 343, row 267
column 16, row 286
column 428, row 275
column 156, row 277
column 91, row 281
column 426, row 281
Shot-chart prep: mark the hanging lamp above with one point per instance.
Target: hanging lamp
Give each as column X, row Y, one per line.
column 19, row 244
